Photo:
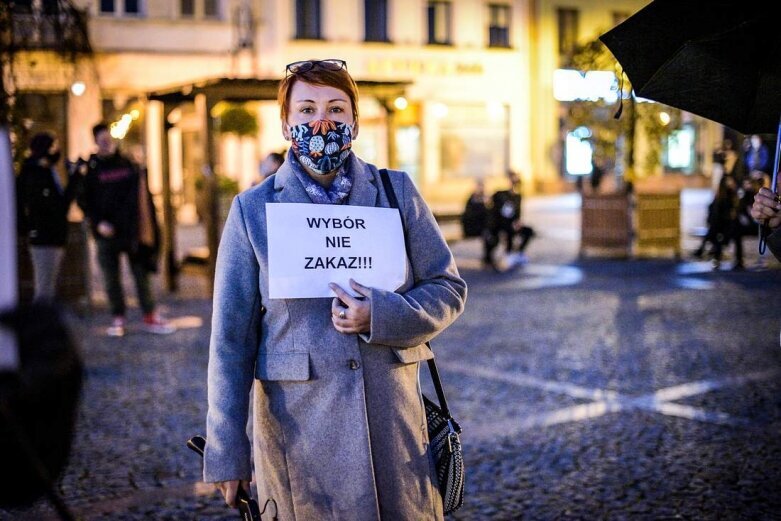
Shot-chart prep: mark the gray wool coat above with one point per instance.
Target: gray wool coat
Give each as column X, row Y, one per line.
column 339, row 425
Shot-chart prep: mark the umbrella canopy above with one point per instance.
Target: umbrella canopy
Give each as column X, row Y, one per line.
column 718, row 59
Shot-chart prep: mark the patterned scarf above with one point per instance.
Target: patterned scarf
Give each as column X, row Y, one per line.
column 337, row 193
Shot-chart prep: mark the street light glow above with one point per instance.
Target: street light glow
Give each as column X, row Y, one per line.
column 78, row 88
column 400, row 103
column 440, row 110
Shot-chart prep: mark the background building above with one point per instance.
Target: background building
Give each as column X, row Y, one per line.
column 452, row 90
column 558, row 153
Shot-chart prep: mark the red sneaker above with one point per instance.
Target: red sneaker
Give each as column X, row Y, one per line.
column 154, row 323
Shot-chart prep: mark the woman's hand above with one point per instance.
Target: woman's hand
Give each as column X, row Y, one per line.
column 229, row 490
column 351, row 314
column 766, row 208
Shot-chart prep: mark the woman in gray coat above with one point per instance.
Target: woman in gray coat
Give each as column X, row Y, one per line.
column 339, row 425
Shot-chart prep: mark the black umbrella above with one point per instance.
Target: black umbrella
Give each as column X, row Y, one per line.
column 715, row 58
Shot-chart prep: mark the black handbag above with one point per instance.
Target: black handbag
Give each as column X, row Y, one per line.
column 443, row 429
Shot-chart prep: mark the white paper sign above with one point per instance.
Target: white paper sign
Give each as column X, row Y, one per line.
column 310, row 245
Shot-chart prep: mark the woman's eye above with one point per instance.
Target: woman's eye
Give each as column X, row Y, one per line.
column 337, row 110
column 307, row 110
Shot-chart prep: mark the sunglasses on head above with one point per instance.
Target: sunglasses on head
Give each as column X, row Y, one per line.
column 308, row 65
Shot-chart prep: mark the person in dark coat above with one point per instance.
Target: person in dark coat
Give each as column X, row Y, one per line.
column 744, row 225
column 722, row 212
column 119, row 207
column 506, row 220
column 474, row 219
column 43, row 204
column 757, row 156
column 597, row 173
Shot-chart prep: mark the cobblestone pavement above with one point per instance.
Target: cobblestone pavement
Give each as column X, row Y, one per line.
column 587, row 389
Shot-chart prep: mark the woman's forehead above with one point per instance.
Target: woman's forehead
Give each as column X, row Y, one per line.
column 303, row 91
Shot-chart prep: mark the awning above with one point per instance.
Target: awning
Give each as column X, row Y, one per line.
column 254, row 89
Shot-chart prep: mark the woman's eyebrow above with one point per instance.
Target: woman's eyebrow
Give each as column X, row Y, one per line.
column 342, row 100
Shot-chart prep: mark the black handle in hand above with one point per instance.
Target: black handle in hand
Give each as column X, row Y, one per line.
column 247, row 506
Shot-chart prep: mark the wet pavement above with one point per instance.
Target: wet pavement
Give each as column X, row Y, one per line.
column 586, row 389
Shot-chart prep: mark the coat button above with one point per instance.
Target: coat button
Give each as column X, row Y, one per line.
column 354, row 364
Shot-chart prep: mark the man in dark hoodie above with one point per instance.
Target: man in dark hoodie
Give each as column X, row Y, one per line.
column 119, row 207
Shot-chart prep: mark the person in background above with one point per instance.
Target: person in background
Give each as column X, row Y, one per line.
column 597, row 173
column 731, row 161
column 506, row 220
column 744, row 225
column 339, row 423
column 42, row 205
column 757, row 156
column 118, row 204
column 475, row 219
column 722, row 213
column 269, row 165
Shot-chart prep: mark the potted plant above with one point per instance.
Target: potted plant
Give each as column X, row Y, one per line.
column 624, row 222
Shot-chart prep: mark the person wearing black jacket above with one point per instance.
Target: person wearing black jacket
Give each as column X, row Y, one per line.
column 722, row 212
column 43, row 205
column 506, row 219
column 119, row 207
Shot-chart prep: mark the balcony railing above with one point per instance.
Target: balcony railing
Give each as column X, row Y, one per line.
column 60, row 27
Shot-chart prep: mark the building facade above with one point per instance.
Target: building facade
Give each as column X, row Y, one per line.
column 559, row 154
column 478, row 75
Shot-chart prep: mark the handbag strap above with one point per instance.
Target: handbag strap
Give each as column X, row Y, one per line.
column 432, row 365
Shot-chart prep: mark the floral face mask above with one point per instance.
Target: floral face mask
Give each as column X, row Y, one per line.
column 321, row 145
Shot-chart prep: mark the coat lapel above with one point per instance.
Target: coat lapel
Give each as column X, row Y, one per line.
column 287, row 186
column 364, row 190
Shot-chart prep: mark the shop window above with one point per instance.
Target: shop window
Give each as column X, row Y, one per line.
column 498, row 25
column 121, row 7
column 439, row 22
column 679, row 150
column 132, row 7
column 186, row 8
column 210, row 9
column 578, row 152
column 568, row 20
column 376, row 20
column 474, row 139
column 199, row 8
column 308, row 20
